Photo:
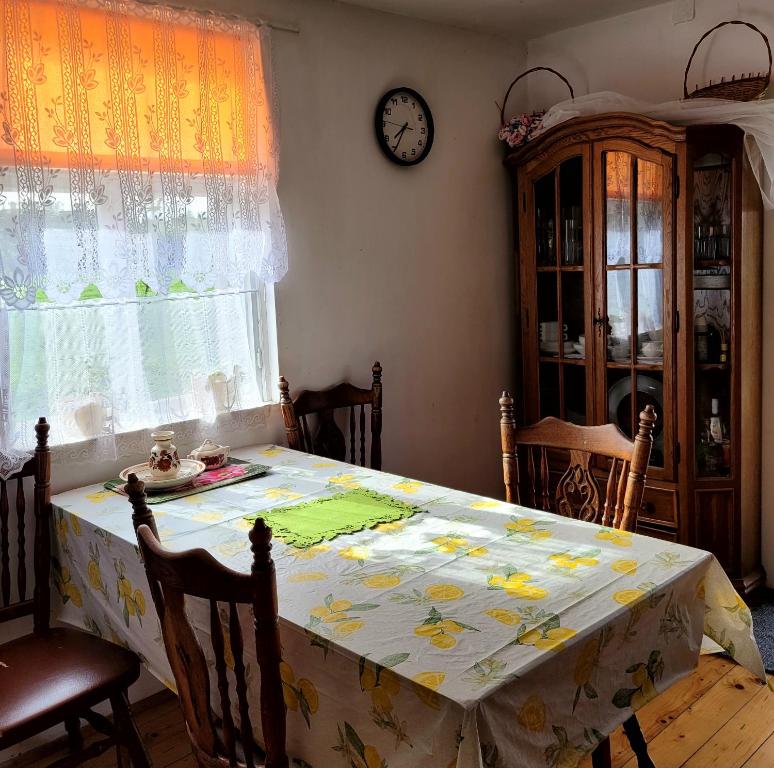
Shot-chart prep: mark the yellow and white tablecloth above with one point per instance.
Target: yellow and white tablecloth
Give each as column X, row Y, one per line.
column 475, row 634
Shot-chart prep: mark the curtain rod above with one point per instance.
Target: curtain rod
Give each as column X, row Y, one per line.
column 232, row 16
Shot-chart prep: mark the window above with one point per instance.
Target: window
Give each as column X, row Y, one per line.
column 140, row 231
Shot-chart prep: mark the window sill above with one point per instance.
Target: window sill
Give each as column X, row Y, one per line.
column 98, row 459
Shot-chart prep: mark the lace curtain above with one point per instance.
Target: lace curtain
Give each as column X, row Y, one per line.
column 138, row 165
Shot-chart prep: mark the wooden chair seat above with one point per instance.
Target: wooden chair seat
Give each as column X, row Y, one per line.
column 46, row 677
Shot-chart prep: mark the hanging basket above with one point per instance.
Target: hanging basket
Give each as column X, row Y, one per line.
column 522, row 128
column 742, row 88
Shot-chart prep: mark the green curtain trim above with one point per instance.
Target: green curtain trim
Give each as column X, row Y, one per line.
column 303, row 525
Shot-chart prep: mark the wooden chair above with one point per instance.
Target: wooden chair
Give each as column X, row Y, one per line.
column 56, row 674
column 217, row 742
column 528, row 480
column 328, row 440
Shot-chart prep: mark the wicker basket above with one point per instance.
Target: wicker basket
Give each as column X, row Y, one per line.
column 531, row 124
column 743, row 88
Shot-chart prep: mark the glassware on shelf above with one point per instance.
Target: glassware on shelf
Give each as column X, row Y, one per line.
column 572, row 240
column 724, row 243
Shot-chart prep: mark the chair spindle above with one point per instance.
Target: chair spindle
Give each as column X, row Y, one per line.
column 5, row 558
column 619, row 502
column 237, row 651
column 218, row 646
column 21, row 509
column 531, row 475
column 362, row 435
column 351, row 434
column 544, row 480
column 607, row 510
column 306, row 436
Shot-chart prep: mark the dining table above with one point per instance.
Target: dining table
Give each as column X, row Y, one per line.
column 469, row 633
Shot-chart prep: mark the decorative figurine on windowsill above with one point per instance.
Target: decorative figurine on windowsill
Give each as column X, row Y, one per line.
column 225, row 389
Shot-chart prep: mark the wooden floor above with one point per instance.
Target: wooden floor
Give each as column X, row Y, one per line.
column 720, row 716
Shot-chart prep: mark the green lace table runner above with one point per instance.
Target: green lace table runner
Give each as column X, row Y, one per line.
column 311, row 522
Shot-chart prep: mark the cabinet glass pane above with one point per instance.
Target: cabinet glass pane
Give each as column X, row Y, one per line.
column 650, row 316
column 713, row 423
column 575, row 393
column 650, row 213
column 549, row 390
column 712, row 211
column 549, row 333
column 573, row 317
column 619, row 399
column 627, row 395
column 571, row 211
column 650, row 391
column 619, row 313
column 545, row 221
column 618, row 206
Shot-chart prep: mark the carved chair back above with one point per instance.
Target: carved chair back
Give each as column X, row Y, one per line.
column 527, row 461
column 328, row 440
column 218, row 742
column 15, row 599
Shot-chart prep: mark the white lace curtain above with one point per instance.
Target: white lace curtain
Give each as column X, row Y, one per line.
column 138, row 159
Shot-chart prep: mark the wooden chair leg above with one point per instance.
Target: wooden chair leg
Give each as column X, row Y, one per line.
column 637, row 741
column 127, row 732
column 602, row 756
column 74, row 735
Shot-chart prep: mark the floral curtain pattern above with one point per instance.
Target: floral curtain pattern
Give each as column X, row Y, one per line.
column 137, row 151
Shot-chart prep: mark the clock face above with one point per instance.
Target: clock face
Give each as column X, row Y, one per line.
column 404, row 126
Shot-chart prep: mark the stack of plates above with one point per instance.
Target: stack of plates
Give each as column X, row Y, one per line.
column 620, row 351
column 552, row 347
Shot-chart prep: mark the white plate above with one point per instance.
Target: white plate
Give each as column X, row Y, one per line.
column 650, row 360
column 190, row 469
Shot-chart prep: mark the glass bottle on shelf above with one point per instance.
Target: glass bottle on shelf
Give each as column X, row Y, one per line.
column 716, row 425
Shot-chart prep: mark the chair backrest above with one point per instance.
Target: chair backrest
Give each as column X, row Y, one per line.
column 217, row 742
column 527, row 472
column 328, row 440
column 16, row 602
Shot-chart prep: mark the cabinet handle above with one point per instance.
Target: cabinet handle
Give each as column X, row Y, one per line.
column 600, row 321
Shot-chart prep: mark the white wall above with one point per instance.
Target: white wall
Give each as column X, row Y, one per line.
column 643, row 54
column 406, row 265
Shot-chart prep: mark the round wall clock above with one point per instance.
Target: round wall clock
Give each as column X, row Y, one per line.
column 404, row 126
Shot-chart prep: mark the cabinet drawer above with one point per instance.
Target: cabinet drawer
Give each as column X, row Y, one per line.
column 659, row 506
column 657, row 533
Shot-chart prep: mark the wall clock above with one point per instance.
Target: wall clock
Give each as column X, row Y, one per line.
column 404, row 126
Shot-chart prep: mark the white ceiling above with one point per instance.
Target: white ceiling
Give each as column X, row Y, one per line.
column 521, row 19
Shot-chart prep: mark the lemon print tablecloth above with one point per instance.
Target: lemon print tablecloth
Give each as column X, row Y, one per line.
column 475, row 634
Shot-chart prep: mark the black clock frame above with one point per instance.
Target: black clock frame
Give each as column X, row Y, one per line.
column 379, row 116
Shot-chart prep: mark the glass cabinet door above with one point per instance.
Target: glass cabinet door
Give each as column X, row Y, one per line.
column 560, row 287
column 632, row 323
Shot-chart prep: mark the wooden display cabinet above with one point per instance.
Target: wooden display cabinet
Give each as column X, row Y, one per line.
column 639, row 281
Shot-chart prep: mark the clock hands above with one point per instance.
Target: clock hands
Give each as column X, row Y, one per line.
column 405, row 126
column 399, row 136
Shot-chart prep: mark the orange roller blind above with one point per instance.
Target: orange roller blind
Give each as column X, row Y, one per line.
column 122, row 85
